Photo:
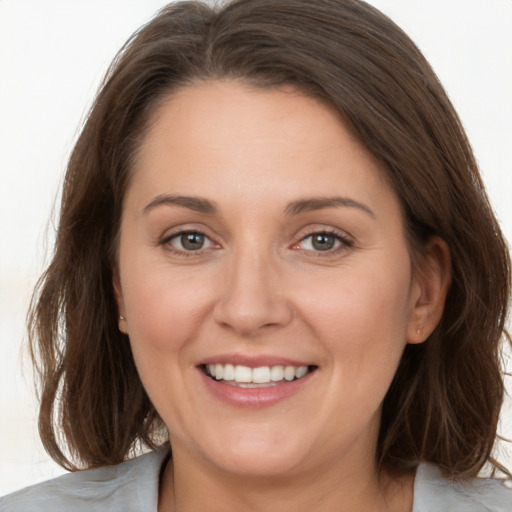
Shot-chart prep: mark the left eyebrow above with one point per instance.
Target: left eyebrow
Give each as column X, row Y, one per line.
column 318, row 203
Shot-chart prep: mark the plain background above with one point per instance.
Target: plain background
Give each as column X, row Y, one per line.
column 53, row 54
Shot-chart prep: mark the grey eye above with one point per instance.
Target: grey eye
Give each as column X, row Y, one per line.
column 323, row 241
column 190, row 241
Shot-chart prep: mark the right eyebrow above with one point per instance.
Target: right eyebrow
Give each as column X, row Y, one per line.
column 198, row 204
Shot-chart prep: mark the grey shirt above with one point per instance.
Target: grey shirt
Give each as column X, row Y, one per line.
column 133, row 487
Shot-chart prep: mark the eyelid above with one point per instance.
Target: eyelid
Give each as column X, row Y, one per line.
column 165, row 241
column 346, row 241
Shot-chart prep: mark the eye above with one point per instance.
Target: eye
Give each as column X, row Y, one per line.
column 189, row 241
column 322, row 242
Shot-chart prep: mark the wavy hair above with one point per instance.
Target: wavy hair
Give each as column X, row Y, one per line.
column 444, row 402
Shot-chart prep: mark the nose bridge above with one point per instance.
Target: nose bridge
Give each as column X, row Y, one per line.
column 251, row 297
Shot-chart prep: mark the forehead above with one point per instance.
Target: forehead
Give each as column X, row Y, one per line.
column 224, row 136
column 228, row 111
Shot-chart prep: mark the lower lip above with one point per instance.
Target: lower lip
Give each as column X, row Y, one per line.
column 254, row 397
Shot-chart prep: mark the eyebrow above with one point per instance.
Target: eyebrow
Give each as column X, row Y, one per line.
column 197, row 204
column 317, row 203
column 309, row 204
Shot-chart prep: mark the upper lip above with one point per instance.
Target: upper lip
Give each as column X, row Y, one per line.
column 253, row 361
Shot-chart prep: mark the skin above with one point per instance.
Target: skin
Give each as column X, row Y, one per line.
column 260, row 287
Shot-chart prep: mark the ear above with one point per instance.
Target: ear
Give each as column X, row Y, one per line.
column 118, row 294
column 431, row 282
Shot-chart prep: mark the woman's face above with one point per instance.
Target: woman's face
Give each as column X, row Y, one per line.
column 260, row 242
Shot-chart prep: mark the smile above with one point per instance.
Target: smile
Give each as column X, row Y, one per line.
column 262, row 376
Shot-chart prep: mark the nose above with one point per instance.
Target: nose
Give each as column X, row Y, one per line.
column 252, row 297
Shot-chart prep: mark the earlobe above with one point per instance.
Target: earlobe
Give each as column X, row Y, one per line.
column 122, row 321
column 431, row 284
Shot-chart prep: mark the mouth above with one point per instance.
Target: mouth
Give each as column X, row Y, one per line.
column 260, row 377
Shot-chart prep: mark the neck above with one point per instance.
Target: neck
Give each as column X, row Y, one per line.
column 344, row 487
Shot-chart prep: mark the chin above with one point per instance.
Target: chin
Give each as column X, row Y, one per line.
column 251, row 452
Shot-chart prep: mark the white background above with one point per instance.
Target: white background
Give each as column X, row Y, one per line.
column 53, row 54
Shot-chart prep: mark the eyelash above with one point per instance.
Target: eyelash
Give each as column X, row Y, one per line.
column 166, row 242
column 344, row 243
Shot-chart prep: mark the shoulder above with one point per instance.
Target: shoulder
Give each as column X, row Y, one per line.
column 130, row 486
column 434, row 493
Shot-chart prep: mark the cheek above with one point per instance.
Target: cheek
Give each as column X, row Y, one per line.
column 164, row 306
column 362, row 326
column 166, row 311
column 360, row 315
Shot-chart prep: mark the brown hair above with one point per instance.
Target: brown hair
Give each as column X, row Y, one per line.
column 444, row 402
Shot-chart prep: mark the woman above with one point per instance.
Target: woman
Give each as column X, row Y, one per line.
column 274, row 249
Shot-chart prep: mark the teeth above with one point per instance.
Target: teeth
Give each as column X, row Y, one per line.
column 229, row 372
column 242, row 374
column 300, row 372
column 261, row 375
column 289, row 372
column 276, row 373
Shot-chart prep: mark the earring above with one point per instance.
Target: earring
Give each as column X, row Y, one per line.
column 122, row 318
column 419, row 331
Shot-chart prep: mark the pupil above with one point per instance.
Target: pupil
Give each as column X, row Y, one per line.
column 192, row 241
column 323, row 242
